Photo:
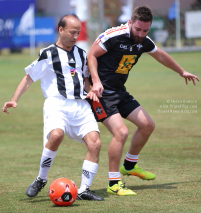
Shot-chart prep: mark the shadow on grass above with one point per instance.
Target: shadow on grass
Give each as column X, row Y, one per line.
column 36, row 199
column 103, row 192
column 39, row 199
column 100, row 192
column 73, row 205
column 161, row 186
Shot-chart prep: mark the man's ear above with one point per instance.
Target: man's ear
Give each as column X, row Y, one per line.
column 129, row 23
column 60, row 29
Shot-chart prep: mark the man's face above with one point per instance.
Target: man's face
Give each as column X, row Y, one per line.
column 70, row 33
column 139, row 30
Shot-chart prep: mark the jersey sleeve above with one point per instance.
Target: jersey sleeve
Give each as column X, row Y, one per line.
column 150, row 45
column 109, row 38
column 37, row 68
column 106, row 41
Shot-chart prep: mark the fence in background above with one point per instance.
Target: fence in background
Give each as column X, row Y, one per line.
column 103, row 15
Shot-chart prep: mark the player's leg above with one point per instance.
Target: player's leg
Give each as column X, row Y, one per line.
column 119, row 131
column 114, row 122
column 93, row 142
column 47, row 158
column 49, row 152
column 90, row 167
column 145, row 127
column 85, row 130
column 116, row 126
column 54, row 126
column 90, row 164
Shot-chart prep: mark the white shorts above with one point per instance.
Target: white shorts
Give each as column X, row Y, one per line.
column 74, row 117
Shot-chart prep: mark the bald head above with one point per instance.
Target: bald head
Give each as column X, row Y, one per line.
column 64, row 20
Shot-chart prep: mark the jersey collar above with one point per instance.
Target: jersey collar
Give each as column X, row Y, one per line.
column 128, row 29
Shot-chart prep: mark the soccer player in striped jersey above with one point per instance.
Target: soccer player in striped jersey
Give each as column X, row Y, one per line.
column 63, row 72
column 110, row 60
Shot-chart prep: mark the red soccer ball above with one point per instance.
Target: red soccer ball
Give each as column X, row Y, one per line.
column 63, row 192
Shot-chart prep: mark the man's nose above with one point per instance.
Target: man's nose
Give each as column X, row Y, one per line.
column 76, row 35
column 141, row 34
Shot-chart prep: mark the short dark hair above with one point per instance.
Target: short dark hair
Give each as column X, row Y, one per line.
column 143, row 14
column 62, row 22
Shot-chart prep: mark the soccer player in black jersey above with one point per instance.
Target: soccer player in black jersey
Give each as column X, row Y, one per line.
column 110, row 59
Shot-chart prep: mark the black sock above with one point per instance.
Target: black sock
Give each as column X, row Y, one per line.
column 129, row 165
column 113, row 182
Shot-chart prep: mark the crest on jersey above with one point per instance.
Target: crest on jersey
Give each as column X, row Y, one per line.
column 139, row 46
column 72, row 71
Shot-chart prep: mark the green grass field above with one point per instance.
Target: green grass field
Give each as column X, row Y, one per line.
column 173, row 152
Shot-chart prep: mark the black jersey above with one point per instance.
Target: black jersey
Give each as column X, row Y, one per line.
column 122, row 55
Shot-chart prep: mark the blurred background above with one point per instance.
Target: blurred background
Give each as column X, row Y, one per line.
column 31, row 24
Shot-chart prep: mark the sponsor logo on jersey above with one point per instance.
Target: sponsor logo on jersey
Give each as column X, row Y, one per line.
column 32, row 65
column 126, row 64
column 123, row 46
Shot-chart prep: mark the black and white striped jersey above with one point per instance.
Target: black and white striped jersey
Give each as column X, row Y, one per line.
column 61, row 72
column 122, row 55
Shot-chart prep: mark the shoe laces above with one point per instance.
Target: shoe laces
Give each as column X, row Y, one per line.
column 90, row 191
column 40, row 183
column 123, row 186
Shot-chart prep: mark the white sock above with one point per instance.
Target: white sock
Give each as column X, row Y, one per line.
column 46, row 162
column 89, row 170
column 112, row 176
column 131, row 158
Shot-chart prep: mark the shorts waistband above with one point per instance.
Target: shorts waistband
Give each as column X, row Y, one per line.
column 108, row 91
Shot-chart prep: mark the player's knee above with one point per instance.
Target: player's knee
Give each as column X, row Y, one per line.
column 56, row 136
column 98, row 144
column 95, row 145
column 121, row 134
column 149, row 127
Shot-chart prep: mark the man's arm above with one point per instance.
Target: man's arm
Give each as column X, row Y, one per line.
column 169, row 62
column 95, row 52
column 22, row 87
column 88, row 88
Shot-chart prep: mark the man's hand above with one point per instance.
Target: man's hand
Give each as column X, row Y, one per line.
column 97, row 89
column 8, row 105
column 188, row 77
column 92, row 96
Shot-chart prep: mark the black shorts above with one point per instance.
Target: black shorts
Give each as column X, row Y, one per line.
column 112, row 103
